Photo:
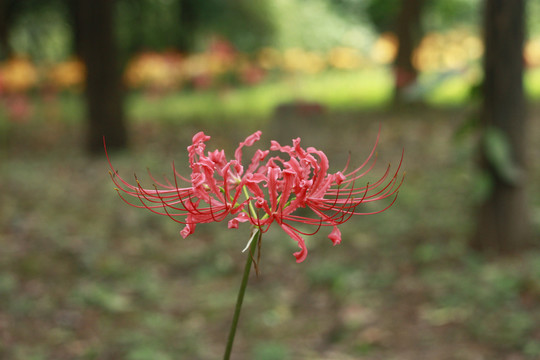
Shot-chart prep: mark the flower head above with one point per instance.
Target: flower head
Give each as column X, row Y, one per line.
column 268, row 189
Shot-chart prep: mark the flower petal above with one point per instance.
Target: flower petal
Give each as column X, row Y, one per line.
column 335, row 236
column 188, row 230
column 233, row 223
column 250, row 140
column 299, row 255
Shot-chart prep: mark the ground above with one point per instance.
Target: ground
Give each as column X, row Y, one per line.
column 84, row 276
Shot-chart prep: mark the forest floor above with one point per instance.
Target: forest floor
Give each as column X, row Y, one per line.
column 84, row 276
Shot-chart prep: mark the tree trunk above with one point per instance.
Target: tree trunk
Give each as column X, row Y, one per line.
column 409, row 33
column 503, row 219
column 188, row 25
column 104, row 95
column 75, row 21
column 5, row 48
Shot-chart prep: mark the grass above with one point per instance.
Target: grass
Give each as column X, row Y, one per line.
column 337, row 90
column 341, row 91
column 83, row 276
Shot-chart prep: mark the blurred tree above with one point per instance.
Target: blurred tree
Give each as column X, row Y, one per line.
column 409, row 32
column 5, row 48
column 75, row 26
column 189, row 21
column 409, row 20
column 404, row 19
column 503, row 219
column 104, row 98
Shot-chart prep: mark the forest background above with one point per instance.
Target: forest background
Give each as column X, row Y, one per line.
column 83, row 276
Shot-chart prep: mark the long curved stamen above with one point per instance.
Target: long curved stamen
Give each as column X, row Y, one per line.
column 368, row 159
column 306, row 233
column 179, row 196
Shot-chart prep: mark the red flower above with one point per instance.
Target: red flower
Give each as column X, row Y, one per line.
column 269, row 190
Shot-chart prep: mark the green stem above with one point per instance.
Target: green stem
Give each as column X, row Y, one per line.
column 240, row 297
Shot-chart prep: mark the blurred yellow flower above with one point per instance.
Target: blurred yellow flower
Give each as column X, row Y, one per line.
column 269, row 58
column 452, row 50
column 345, row 58
column 156, row 70
column 298, row 60
column 67, row 74
column 385, row 48
column 474, row 46
column 532, row 52
column 18, row 75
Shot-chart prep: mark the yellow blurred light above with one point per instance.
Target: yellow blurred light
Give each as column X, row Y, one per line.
column 385, row 49
column 269, row 58
column 532, row 52
column 18, row 75
column 474, row 47
column 154, row 70
column 345, row 58
column 454, row 57
column 293, row 59
column 67, row 74
column 426, row 60
column 454, row 49
column 315, row 63
column 298, row 60
column 196, row 65
column 433, row 41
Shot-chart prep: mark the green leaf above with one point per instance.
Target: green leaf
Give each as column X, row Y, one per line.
column 498, row 152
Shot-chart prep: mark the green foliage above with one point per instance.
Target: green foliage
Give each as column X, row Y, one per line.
column 157, row 25
column 147, row 25
column 39, row 29
column 438, row 14
column 248, row 24
column 532, row 13
column 43, row 29
column 444, row 14
column 499, row 154
column 316, row 25
column 383, row 13
column 532, row 83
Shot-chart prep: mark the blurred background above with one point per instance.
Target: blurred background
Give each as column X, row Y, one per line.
column 451, row 271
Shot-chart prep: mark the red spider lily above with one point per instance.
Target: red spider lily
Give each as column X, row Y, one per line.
column 269, row 190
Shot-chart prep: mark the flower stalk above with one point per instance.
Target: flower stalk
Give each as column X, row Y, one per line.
column 240, row 297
